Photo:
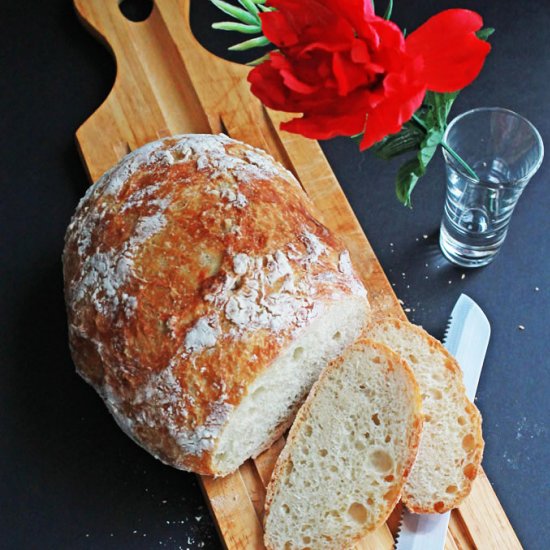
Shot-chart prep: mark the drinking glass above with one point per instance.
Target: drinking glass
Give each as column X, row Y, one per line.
column 504, row 150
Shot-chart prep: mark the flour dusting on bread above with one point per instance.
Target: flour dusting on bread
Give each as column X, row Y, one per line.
column 196, row 264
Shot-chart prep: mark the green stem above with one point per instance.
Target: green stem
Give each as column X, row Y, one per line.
column 460, row 160
column 420, row 122
column 389, row 10
column 449, row 150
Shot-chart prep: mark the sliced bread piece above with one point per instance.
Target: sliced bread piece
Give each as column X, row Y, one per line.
column 452, row 443
column 348, row 452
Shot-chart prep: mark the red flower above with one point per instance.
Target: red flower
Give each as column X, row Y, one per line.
column 349, row 71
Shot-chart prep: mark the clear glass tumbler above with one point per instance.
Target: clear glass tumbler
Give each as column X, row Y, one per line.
column 504, row 150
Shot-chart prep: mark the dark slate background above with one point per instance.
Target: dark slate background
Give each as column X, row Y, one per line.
column 69, row 478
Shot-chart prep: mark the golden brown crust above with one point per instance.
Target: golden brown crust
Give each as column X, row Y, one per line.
column 188, row 268
column 475, row 455
column 301, row 417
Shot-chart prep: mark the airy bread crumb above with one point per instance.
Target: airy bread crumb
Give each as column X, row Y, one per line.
column 348, row 453
column 452, row 444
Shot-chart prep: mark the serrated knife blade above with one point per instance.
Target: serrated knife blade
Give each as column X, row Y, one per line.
column 467, row 338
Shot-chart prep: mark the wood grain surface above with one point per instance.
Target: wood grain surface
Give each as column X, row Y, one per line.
column 167, row 84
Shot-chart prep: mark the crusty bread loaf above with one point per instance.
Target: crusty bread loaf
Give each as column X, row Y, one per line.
column 204, row 299
column 452, row 444
column 348, row 453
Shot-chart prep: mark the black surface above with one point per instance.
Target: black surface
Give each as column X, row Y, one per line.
column 69, row 477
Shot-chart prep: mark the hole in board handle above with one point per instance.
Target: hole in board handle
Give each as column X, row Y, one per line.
column 136, row 10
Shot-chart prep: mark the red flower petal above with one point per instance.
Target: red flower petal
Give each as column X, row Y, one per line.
column 303, row 21
column 389, row 35
column 326, row 126
column 452, row 54
column 349, row 75
column 353, row 10
column 389, row 116
column 267, row 84
column 294, row 84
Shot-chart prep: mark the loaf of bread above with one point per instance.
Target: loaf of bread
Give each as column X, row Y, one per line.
column 452, row 443
column 204, row 298
column 348, row 453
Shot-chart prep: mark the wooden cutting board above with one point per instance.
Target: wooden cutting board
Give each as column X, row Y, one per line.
column 166, row 84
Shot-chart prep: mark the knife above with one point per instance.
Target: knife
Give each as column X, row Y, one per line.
column 466, row 338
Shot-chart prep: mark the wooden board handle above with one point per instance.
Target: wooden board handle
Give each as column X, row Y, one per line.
column 104, row 19
column 153, row 95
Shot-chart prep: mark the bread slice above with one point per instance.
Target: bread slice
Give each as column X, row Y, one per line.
column 348, row 452
column 452, row 443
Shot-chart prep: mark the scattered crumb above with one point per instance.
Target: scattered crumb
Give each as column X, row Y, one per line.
column 537, row 289
column 513, row 462
column 450, row 282
column 408, row 286
column 198, row 518
column 526, row 429
column 426, row 277
column 391, row 244
column 401, row 301
column 424, row 236
column 426, row 265
column 463, row 276
column 417, row 239
column 521, row 327
column 407, row 310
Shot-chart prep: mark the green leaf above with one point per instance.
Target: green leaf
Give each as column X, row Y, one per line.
column 249, row 44
column 236, row 12
column 258, row 61
column 437, row 108
column 265, row 8
column 410, row 172
column 407, row 178
column 251, row 7
column 389, row 10
column 485, row 33
column 237, row 27
column 262, row 6
column 444, row 104
column 408, row 139
column 428, row 148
